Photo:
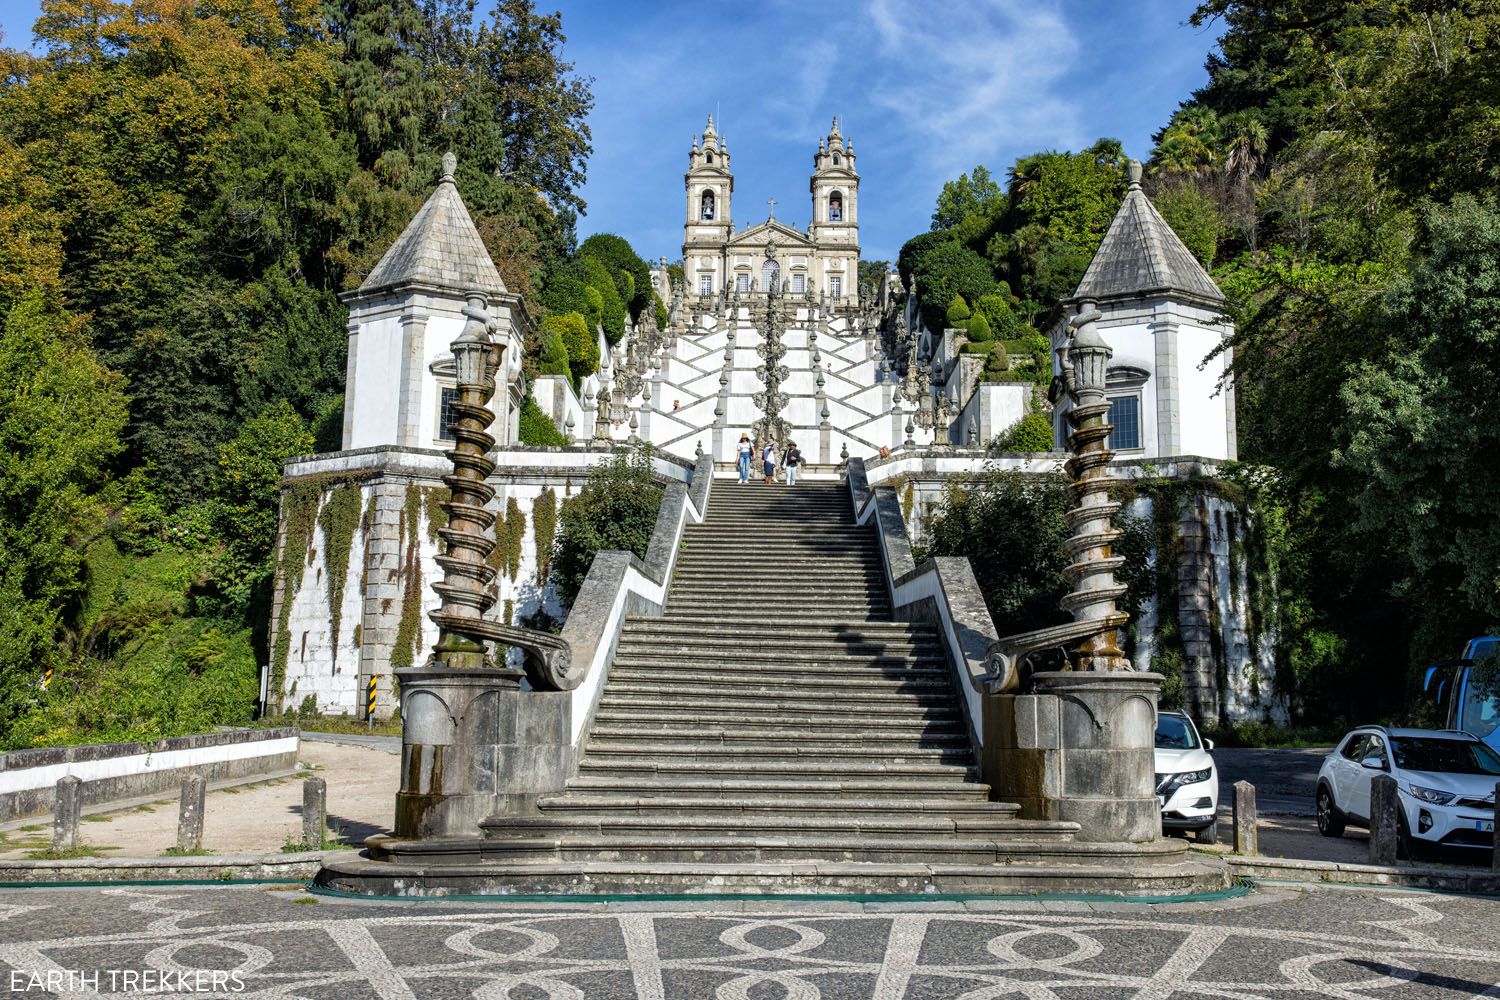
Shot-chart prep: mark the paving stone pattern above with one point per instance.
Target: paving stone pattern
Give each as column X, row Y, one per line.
column 1273, row 943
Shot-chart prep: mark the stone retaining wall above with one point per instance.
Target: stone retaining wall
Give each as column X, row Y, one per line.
column 113, row 772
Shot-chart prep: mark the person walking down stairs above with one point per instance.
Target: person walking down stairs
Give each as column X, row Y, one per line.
column 768, row 462
column 792, row 460
column 745, row 449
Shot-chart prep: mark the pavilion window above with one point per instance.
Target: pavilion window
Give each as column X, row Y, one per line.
column 708, row 206
column 1125, row 418
column 836, row 207
column 446, row 416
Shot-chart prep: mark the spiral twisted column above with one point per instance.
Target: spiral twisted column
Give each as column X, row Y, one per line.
column 1091, row 572
column 468, row 539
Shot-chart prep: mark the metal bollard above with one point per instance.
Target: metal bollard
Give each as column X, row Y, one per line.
column 1246, row 819
column 67, row 805
column 1383, row 819
column 314, row 813
column 190, row 814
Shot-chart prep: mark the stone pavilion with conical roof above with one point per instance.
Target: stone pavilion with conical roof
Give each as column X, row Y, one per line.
column 1164, row 317
column 404, row 318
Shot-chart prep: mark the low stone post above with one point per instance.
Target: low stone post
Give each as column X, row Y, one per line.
column 1383, row 819
column 1495, row 851
column 314, row 813
column 66, row 807
column 190, row 814
column 1246, row 819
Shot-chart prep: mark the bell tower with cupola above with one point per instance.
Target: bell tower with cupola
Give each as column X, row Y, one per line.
column 709, row 185
column 835, row 216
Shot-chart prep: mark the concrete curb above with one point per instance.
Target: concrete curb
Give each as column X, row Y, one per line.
column 1342, row 873
column 209, row 868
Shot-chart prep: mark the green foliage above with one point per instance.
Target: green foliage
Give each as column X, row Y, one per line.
column 544, row 528
column 662, row 316
column 578, row 340
column 979, row 330
column 996, row 362
column 616, row 509
column 967, row 197
column 1193, row 217
column 999, row 314
column 552, row 358
column 61, row 414
column 1011, row 528
column 611, row 307
column 339, row 520
column 632, row 275
column 944, row 268
column 1032, row 433
column 958, row 311
column 537, row 429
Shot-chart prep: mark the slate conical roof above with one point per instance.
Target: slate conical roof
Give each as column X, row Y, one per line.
column 438, row 248
column 1141, row 255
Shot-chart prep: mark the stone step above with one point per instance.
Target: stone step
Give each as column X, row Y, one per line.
column 665, row 768
column 772, row 692
column 738, row 682
column 658, row 848
column 833, row 630
column 772, row 606
column 763, row 805
column 807, row 736
column 719, row 573
column 734, row 651
column 796, row 583
column 667, row 829
column 761, row 661
column 787, row 749
column 862, row 790
column 939, row 721
column 447, row 866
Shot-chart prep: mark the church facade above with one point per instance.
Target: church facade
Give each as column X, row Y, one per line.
column 823, row 261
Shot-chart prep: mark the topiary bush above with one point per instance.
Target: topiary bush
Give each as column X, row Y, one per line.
column 998, row 360
column 578, row 340
column 1032, row 433
column 616, row 509
column 979, row 329
column 536, row 429
column 958, row 312
column 552, row 355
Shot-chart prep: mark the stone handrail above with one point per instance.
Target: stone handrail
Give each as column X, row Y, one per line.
column 619, row 584
column 942, row 591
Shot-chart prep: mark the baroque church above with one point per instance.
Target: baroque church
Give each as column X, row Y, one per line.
column 769, row 335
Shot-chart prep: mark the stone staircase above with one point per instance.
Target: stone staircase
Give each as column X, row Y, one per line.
column 776, row 731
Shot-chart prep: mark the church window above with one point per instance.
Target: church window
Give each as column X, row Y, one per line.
column 1125, row 417
column 836, row 207
column 742, row 283
column 799, row 283
column 836, row 286
column 705, row 284
column 707, row 212
column 710, row 158
column 770, row 275
column 835, row 159
column 446, row 416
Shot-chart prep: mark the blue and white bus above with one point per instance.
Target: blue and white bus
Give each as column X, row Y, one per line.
column 1469, row 705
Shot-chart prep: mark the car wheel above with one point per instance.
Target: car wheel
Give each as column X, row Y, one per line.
column 1330, row 818
column 1407, row 848
column 1210, row 833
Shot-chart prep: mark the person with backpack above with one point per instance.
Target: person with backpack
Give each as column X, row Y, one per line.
column 792, row 461
column 768, row 462
column 744, row 450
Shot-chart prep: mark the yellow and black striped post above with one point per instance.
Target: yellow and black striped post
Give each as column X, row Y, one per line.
column 46, row 678
column 370, row 703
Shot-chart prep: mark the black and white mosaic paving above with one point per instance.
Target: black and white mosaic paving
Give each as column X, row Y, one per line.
column 1281, row 943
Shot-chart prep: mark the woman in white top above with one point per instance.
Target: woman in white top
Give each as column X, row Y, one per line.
column 745, row 448
column 768, row 461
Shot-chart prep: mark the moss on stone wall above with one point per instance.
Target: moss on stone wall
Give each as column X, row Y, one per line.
column 512, row 532
column 544, row 527
column 299, row 514
column 409, row 629
column 433, row 498
column 339, row 520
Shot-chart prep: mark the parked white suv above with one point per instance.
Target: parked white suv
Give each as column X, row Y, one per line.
column 1187, row 783
column 1445, row 783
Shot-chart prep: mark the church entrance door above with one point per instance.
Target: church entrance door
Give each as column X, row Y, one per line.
column 770, row 276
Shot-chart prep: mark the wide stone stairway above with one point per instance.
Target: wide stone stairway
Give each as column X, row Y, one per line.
column 776, row 729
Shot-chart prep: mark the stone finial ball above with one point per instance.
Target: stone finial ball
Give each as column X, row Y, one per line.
column 450, row 164
column 1133, row 171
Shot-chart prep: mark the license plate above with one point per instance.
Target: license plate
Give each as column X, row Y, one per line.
column 1484, row 825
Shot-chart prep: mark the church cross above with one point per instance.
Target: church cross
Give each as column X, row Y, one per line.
column 772, row 203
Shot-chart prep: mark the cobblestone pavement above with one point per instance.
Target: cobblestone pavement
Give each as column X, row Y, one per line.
column 267, row 942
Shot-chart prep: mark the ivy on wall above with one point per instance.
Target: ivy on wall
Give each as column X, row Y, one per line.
column 544, row 527
column 513, row 531
column 433, row 498
column 339, row 520
column 299, row 516
column 409, row 629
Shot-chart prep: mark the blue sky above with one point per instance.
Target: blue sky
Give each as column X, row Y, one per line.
column 924, row 89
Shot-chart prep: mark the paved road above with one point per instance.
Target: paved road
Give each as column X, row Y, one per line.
column 1285, row 780
column 1282, row 943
